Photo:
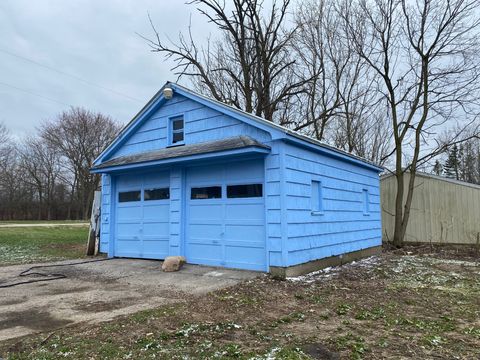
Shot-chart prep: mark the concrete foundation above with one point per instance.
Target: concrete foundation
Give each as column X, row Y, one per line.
column 305, row 268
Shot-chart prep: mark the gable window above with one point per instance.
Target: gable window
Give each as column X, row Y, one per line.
column 366, row 202
column 317, row 197
column 244, row 191
column 128, row 196
column 156, row 194
column 210, row 192
column 176, row 130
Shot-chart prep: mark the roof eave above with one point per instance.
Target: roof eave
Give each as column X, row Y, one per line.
column 248, row 150
column 332, row 152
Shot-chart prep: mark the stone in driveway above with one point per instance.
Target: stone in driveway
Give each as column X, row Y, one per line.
column 100, row 291
column 173, row 263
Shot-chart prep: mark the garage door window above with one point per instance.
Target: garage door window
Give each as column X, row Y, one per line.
column 128, row 196
column 211, row 192
column 244, row 191
column 156, row 194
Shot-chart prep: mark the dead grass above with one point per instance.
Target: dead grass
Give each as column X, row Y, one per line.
column 416, row 304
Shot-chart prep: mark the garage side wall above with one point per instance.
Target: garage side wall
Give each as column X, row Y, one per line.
column 332, row 206
column 106, row 210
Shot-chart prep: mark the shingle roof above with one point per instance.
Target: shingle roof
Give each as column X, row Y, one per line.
column 237, row 142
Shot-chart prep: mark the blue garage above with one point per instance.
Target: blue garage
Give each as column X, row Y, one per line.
column 195, row 177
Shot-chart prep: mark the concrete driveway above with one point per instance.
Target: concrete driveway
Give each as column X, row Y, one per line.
column 99, row 291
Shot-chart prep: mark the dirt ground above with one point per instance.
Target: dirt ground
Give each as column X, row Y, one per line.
column 97, row 291
column 411, row 304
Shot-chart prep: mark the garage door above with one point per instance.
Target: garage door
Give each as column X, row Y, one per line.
column 225, row 223
column 142, row 216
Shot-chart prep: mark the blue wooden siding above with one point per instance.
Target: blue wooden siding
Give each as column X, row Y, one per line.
column 273, row 206
column 201, row 124
column 176, row 210
column 342, row 226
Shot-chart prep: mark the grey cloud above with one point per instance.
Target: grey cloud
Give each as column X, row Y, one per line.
column 94, row 40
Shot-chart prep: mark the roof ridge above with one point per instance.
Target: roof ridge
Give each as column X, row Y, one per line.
column 286, row 130
column 287, row 134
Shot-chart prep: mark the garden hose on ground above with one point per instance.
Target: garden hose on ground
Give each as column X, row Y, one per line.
column 46, row 277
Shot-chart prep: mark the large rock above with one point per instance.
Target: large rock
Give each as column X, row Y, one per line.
column 173, row 263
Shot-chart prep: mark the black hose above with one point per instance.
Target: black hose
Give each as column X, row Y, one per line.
column 49, row 277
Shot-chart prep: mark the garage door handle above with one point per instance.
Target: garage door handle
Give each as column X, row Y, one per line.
column 215, row 241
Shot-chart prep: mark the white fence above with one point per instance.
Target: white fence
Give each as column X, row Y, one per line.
column 443, row 210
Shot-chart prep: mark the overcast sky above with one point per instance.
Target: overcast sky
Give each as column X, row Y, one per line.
column 95, row 41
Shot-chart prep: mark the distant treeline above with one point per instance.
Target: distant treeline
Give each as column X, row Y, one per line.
column 46, row 176
column 462, row 162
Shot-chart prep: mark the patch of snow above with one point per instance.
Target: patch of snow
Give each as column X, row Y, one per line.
column 214, row 273
column 311, row 277
column 328, row 272
column 271, row 355
column 188, row 330
column 454, row 262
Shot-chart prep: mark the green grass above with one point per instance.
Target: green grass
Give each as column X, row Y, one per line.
column 41, row 244
column 14, row 222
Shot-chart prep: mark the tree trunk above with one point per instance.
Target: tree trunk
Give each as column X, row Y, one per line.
column 398, row 232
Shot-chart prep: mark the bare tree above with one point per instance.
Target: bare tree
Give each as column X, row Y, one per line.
column 47, row 176
column 365, row 134
column 8, row 173
column 249, row 66
column 426, row 54
column 305, row 77
column 339, row 105
column 470, row 162
column 79, row 136
column 322, row 62
column 40, row 163
column 5, row 142
column 11, row 194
